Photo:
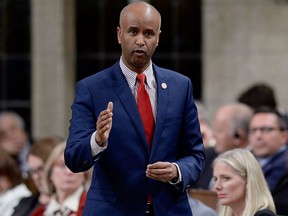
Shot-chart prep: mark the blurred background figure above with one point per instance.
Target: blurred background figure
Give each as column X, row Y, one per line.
column 206, row 130
column 240, row 185
column 259, row 95
column 37, row 158
column 268, row 137
column 12, row 187
column 14, row 139
column 230, row 128
column 67, row 189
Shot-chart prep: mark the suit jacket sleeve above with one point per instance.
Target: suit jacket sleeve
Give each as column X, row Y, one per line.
column 78, row 155
column 191, row 156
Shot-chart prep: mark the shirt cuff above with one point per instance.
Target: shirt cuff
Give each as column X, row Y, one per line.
column 95, row 148
column 176, row 181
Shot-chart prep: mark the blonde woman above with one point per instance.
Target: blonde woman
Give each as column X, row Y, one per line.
column 240, row 185
column 67, row 189
column 37, row 157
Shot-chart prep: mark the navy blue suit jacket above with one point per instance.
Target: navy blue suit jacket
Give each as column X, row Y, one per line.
column 119, row 185
column 276, row 168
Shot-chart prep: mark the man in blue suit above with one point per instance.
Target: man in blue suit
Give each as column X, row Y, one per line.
column 268, row 137
column 106, row 132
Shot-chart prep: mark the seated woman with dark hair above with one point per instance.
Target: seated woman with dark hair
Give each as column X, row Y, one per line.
column 12, row 187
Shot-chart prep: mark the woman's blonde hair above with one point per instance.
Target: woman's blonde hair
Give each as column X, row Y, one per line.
column 258, row 195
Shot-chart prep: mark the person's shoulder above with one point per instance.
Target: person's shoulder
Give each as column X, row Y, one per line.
column 210, row 151
column 286, row 150
column 26, row 205
column 264, row 212
column 30, row 199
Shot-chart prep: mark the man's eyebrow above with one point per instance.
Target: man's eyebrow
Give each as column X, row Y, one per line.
column 132, row 27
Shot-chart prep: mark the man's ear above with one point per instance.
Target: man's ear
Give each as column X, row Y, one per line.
column 239, row 135
column 158, row 37
column 119, row 34
column 236, row 135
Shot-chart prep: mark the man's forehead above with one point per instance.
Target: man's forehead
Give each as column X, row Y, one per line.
column 264, row 116
column 144, row 14
column 134, row 17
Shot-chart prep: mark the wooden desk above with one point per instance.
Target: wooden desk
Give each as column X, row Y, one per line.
column 208, row 197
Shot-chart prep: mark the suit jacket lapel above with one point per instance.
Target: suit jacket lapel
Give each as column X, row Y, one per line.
column 162, row 103
column 124, row 94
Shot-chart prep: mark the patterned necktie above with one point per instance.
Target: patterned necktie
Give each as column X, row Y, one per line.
column 64, row 212
column 145, row 109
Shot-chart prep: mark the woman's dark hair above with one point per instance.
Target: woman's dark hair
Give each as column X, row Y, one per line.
column 9, row 168
column 258, row 95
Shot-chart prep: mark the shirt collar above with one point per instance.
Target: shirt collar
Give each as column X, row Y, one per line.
column 71, row 202
column 131, row 75
column 264, row 161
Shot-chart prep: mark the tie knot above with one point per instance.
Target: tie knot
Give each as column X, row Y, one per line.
column 141, row 78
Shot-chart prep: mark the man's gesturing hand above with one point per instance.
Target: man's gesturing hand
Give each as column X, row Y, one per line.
column 162, row 171
column 104, row 125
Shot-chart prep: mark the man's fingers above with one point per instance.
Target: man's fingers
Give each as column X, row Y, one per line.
column 158, row 165
column 104, row 124
column 106, row 115
column 161, row 171
column 110, row 106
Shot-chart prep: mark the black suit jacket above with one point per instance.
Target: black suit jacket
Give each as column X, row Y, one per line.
column 206, row 176
column 264, row 212
column 26, row 205
column 280, row 196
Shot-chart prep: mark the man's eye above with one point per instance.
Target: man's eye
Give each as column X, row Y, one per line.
column 149, row 34
column 133, row 32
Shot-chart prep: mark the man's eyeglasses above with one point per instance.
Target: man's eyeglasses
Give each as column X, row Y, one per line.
column 263, row 130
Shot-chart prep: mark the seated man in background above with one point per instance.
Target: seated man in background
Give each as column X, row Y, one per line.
column 230, row 128
column 206, row 130
column 268, row 138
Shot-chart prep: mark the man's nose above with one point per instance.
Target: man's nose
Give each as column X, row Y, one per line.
column 140, row 40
